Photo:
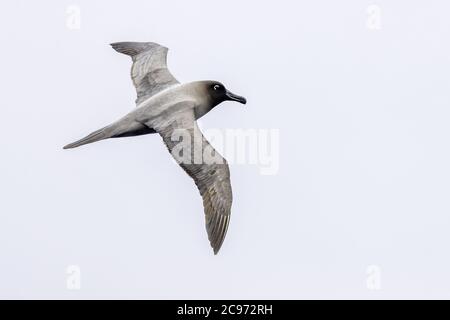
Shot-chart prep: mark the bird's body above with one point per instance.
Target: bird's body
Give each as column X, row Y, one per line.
column 180, row 98
column 166, row 107
column 156, row 111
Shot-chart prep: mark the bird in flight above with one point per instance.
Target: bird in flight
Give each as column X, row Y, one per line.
column 166, row 107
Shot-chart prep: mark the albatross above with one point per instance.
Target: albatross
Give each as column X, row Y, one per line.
column 169, row 108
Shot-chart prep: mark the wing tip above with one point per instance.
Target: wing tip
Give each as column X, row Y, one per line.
column 216, row 250
column 216, row 243
column 134, row 48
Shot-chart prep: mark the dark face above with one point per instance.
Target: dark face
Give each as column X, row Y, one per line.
column 219, row 93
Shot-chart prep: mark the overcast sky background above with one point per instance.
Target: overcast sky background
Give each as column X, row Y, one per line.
column 359, row 207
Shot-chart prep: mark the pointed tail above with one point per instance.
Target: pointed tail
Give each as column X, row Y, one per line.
column 93, row 137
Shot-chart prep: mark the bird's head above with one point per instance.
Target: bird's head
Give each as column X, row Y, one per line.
column 218, row 93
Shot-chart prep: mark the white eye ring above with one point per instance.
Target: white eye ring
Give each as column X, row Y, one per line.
column 216, row 87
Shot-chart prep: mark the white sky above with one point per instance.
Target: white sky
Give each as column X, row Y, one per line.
column 363, row 176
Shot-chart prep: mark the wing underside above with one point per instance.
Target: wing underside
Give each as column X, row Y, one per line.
column 211, row 174
column 149, row 71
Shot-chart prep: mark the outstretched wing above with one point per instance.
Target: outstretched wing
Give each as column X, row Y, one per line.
column 149, row 70
column 206, row 167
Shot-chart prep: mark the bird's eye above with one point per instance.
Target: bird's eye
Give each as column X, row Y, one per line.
column 216, row 87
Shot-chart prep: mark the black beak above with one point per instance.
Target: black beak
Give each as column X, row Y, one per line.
column 234, row 97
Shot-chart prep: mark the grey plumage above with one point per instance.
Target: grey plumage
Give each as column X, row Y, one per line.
column 165, row 106
column 149, row 70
